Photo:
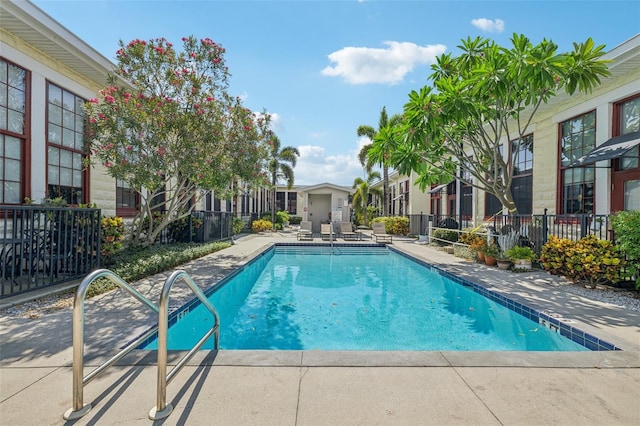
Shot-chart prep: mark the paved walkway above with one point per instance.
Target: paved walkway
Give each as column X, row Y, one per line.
column 327, row 388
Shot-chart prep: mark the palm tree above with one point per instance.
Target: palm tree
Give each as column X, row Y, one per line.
column 361, row 196
column 368, row 161
column 281, row 162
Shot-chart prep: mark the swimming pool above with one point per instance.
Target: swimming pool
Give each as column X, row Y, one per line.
column 304, row 297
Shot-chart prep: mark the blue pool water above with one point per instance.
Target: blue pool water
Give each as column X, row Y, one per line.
column 356, row 298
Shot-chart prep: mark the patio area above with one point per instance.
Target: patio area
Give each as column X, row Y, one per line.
column 326, row 388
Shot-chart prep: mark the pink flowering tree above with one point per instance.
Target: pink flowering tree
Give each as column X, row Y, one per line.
column 167, row 127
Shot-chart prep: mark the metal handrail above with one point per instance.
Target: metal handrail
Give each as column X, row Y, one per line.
column 331, row 235
column 79, row 409
column 162, row 409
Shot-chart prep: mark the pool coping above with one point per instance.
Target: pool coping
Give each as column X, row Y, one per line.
column 613, row 356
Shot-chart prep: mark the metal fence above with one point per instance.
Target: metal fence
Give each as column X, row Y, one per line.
column 533, row 230
column 199, row 227
column 44, row 246
column 214, row 226
column 419, row 224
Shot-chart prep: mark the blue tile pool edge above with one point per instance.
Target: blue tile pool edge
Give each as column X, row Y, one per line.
column 573, row 333
column 587, row 340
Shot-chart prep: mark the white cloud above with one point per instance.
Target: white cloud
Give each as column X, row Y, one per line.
column 489, row 25
column 275, row 119
column 363, row 65
column 314, row 166
column 363, row 141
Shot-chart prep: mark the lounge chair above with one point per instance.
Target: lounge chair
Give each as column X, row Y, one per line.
column 305, row 232
column 326, row 233
column 379, row 232
column 346, row 231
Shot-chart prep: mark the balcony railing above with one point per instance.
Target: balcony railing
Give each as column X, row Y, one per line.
column 44, row 246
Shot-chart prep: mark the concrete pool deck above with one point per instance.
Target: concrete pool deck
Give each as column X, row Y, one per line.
column 326, row 388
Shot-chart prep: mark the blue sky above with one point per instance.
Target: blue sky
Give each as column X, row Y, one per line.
column 322, row 68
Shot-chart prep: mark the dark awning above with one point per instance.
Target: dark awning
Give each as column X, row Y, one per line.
column 613, row 148
column 439, row 188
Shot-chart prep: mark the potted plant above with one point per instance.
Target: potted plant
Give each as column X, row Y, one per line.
column 503, row 261
column 478, row 244
column 521, row 257
column 491, row 253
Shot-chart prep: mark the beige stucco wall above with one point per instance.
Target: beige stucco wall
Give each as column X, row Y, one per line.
column 546, row 143
column 338, row 200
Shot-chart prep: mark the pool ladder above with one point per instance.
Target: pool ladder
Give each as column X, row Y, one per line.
column 162, row 409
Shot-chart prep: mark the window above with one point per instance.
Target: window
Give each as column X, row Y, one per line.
column 577, row 138
column 208, row 202
column 629, row 122
column 292, row 198
column 13, row 132
column 280, row 203
column 66, row 175
column 522, row 182
column 127, row 199
column 492, row 205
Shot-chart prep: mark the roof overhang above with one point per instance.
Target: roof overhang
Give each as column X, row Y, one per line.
column 25, row 21
column 613, row 148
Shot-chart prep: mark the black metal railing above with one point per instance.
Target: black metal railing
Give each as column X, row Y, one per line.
column 535, row 230
column 44, row 246
column 212, row 226
column 199, row 227
column 419, row 223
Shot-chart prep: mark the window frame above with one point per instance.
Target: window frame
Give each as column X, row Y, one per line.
column 84, row 199
column 560, row 198
column 616, row 165
column 526, row 175
column 124, row 211
column 24, row 137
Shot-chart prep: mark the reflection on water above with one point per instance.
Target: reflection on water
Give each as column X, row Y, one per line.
column 366, row 301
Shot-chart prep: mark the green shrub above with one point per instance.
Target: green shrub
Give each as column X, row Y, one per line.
column 590, row 260
column 553, row 256
column 520, row 253
column 626, row 228
column 135, row 263
column 111, row 237
column 446, row 235
column 178, row 230
column 491, row 250
column 396, row 225
column 238, row 225
column 282, row 217
column 261, row 225
column 295, row 220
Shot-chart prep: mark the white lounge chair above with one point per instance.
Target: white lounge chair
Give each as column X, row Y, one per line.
column 346, row 231
column 305, row 232
column 326, row 233
column 379, row 232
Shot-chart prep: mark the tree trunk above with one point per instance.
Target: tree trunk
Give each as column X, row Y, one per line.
column 385, row 190
column 273, row 207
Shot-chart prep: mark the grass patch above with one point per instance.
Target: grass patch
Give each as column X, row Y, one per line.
column 136, row 263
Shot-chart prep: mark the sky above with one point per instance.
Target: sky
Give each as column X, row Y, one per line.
column 323, row 68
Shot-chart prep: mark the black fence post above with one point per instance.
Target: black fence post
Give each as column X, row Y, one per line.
column 584, row 227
